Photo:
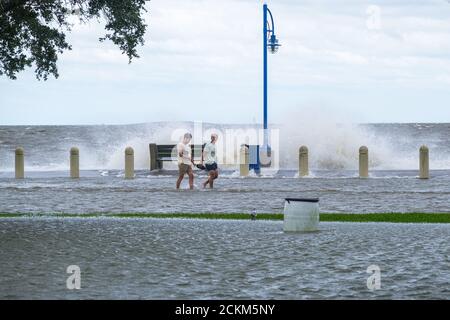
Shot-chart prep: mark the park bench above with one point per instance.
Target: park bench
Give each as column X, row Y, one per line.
column 168, row 152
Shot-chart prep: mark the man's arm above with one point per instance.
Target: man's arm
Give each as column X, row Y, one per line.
column 180, row 150
column 205, row 152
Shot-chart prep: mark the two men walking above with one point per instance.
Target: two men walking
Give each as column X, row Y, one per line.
column 185, row 161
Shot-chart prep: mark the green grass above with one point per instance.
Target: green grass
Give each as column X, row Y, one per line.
column 330, row 217
column 388, row 217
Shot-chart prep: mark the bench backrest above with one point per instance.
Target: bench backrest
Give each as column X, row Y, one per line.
column 168, row 152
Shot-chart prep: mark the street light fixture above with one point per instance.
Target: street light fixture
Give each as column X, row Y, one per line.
column 273, row 44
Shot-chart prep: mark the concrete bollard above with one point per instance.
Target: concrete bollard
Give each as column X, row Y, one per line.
column 303, row 165
column 363, row 162
column 424, row 163
column 20, row 163
column 129, row 163
column 74, row 163
column 244, row 161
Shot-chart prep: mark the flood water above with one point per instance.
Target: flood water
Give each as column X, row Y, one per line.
column 185, row 259
column 107, row 191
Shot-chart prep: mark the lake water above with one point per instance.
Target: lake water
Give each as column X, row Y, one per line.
column 393, row 185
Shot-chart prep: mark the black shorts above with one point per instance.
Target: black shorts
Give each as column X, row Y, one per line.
column 210, row 167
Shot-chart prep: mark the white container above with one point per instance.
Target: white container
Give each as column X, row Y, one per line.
column 301, row 214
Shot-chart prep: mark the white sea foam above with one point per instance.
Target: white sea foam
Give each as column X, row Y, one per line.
column 332, row 146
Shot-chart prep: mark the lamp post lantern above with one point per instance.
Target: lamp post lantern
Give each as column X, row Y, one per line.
column 270, row 44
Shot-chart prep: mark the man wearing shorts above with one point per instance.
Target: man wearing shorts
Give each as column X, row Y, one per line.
column 210, row 158
column 184, row 161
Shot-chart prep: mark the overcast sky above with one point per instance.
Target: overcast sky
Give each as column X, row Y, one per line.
column 362, row 61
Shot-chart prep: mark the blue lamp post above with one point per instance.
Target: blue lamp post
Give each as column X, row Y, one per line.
column 270, row 44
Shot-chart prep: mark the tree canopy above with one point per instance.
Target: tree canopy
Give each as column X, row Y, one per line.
column 33, row 32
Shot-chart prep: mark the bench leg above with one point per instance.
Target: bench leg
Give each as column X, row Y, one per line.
column 154, row 163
